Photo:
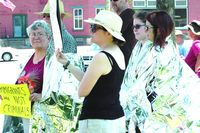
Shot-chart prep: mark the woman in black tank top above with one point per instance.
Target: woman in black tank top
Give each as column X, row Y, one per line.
column 100, row 85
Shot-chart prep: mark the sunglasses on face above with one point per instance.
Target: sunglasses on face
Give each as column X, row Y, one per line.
column 149, row 27
column 95, row 27
column 137, row 26
column 114, row 0
column 46, row 15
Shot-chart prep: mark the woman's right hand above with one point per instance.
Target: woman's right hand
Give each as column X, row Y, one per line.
column 61, row 57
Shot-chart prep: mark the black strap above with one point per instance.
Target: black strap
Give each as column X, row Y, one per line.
column 110, row 57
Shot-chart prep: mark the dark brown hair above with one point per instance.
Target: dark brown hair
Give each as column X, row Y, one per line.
column 141, row 15
column 162, row 24
column 196, row 28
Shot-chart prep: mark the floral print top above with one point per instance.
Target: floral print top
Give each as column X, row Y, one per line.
column 32, row 75
column 160, row 71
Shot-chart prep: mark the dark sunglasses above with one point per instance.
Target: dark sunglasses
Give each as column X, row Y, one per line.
column 114, row 0
column 95, row 27
column 137, row 26
column 149, row 27
column 46, row 15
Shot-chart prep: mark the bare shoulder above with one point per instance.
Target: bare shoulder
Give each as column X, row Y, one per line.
column 100, row 57
column 100, row 63
column 119, row 57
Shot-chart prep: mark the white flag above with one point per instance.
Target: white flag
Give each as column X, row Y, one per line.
column 55, row 26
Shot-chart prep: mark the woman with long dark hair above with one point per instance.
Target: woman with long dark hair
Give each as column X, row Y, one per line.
column 160, row 95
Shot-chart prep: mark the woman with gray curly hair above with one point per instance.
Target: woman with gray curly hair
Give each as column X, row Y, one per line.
column 39, row 34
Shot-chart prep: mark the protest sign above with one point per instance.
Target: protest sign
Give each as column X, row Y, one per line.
column 15, row 100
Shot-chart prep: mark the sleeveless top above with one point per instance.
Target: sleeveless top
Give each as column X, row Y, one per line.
column 34, row 74
column 103, row 100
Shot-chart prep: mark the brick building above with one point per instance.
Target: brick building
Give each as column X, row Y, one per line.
column 185, row 10
column 13, row 24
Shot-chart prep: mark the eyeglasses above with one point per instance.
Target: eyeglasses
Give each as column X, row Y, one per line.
column 38, row 34
column 95, row 27
column 114, row 0
column 137, row 26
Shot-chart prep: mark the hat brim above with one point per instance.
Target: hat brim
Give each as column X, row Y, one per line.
column 115, row 34
column 192, row 29
column 65, row 14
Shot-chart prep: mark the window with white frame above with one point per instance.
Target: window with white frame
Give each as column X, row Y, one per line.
column 151, row 3
column 139, row 3
column 78, row 18
column 180, row 17
column 180, row 3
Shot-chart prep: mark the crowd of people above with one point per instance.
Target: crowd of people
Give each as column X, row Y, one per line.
column 139, row 82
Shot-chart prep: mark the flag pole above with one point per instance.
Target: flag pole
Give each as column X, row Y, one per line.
column 59, row 18
column 54, row 18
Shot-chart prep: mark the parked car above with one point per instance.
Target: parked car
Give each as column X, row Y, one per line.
column 8, row 53
column 87, row 52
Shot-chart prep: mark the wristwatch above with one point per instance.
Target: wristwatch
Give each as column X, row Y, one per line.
column 66, row 65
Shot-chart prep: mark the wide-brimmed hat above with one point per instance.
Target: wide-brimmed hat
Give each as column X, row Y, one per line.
column 194, row 26
column 178, row 32
column 46, row 9
column 110, row 21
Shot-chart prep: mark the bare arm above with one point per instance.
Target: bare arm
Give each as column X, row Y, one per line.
column 197, row 65
column 35, row 96
column 74, row 70
column 100, row 65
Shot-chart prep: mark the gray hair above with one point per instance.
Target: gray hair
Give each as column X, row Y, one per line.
column 47, row 29
column 39, row 24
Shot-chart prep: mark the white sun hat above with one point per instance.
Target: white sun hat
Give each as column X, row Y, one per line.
column 178, row 32
column 194, row 26
column 110, row 21
column 46, row 9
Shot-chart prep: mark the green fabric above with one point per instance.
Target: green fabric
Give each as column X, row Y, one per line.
column 58, row 113
column 60, row 105
column 12, row 125
column 69, row 43
column 160, row 70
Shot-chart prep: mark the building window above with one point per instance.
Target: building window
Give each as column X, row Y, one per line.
column 180, row 17
column 139, row 3
column 78, row 18
column 151, row 3
column 180, row 3
column 97, row 10
column 19, row 25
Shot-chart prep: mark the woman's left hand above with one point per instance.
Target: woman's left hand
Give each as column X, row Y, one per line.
column 35, row 97
column 60, row 57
